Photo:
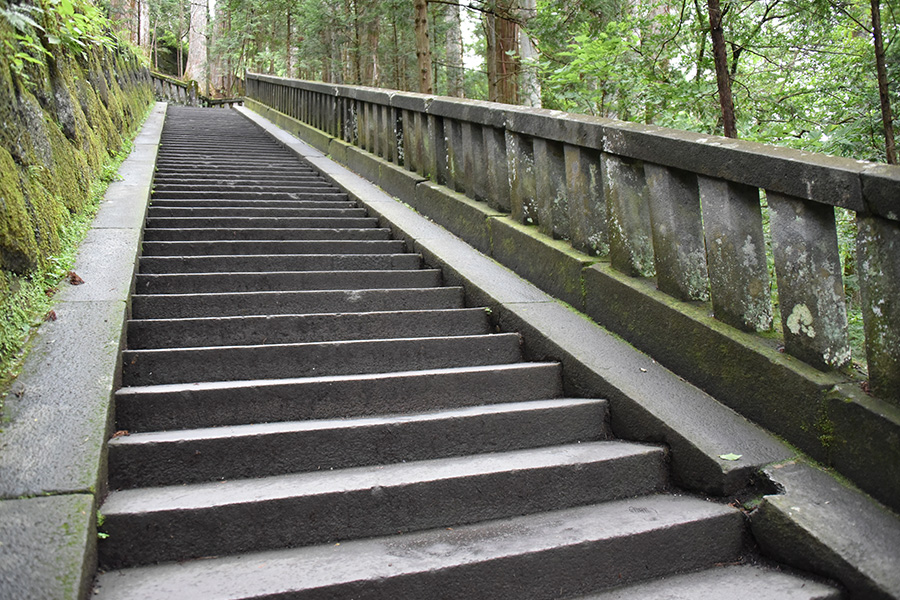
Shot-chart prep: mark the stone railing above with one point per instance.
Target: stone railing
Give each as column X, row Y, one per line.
column 187, row 93
column 683, row 207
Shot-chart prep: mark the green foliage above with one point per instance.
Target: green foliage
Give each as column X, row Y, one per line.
column 76, row 25
column 650, row 62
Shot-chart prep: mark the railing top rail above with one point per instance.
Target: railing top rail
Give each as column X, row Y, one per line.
column 853, row 184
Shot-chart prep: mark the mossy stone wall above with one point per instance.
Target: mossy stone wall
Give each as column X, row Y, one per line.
column 58, row 127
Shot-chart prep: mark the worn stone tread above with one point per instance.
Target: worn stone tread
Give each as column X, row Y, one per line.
column 320, row 327
column 540, row 556
column 737, row 582
column 210, row 404
column 231, row 363
column 280, row 262
column 149, row 306
column 188, row 521
column 182, row 283
column 160, row 458
column 214, row 234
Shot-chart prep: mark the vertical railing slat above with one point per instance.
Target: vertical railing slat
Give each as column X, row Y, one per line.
column 587, row 205
column 520, row 165
column 550, row 189
column 678, row 249
column 736, row 254
column 474, row 172
column 810, row 286
column 496, row 171
column 878, row 262
column 630, row 237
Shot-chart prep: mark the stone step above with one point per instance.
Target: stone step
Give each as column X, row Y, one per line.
column 735, row 582
column 210, row 171
column 260, row 222
column 250, row 210
column 540, row 556
column 277, row 361
column 291, row 329
column 214, row 404
column 278, row 262
column 172, row 189
column 163, row 182
column 191, row 521
column 219, row 453
column 160, row 306
column 229, row 247
column 261, row 233
column 202, row 283
column 220, row 203
column 249, row 161
column 311, row 193
column 187, row 149
column 212, row 165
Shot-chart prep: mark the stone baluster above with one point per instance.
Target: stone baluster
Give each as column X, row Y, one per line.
column 628, row 212
column 878, row 249
column 551, row 193
column 497, row 171
column 587, row 205
column 736, row 254
column 520, row 165
column 678, row 248
column 810, row 283
column 474, row 174
column 454, row 147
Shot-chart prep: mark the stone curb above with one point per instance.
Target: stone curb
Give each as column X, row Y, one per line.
column 60, row 411
column 649, row 403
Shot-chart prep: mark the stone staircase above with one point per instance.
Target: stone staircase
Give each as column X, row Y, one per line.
column 311, row 414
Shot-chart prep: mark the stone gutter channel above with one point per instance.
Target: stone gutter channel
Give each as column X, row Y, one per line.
column 53, row 450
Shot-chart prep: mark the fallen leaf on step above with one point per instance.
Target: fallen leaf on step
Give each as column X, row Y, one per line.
column 120, row 433
column 50, row 316
column 730, row 456
column 74, row 279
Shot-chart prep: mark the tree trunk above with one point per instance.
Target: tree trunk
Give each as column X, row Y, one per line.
column 887, row 118
column 723, row 78
column 289, row 45
column 531, row 85
column 502, row 54
column 454, row 51
column 423, row 48
column 397, row 80
column 218, row 66
column 197, row 67
column 370, row 73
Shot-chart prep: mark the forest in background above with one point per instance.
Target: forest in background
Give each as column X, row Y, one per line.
column 800, row 73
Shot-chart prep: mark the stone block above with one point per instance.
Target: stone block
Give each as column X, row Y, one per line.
column 881, row 189
column 736, row 254
column 741, row 370
column 818, row 177
column 551, row 265
column 479, row 112
column 49, row 547
column 461, row 215
column 59, row 409
column 810, row 281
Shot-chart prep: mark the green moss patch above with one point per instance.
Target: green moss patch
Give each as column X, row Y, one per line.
column 64, row 123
